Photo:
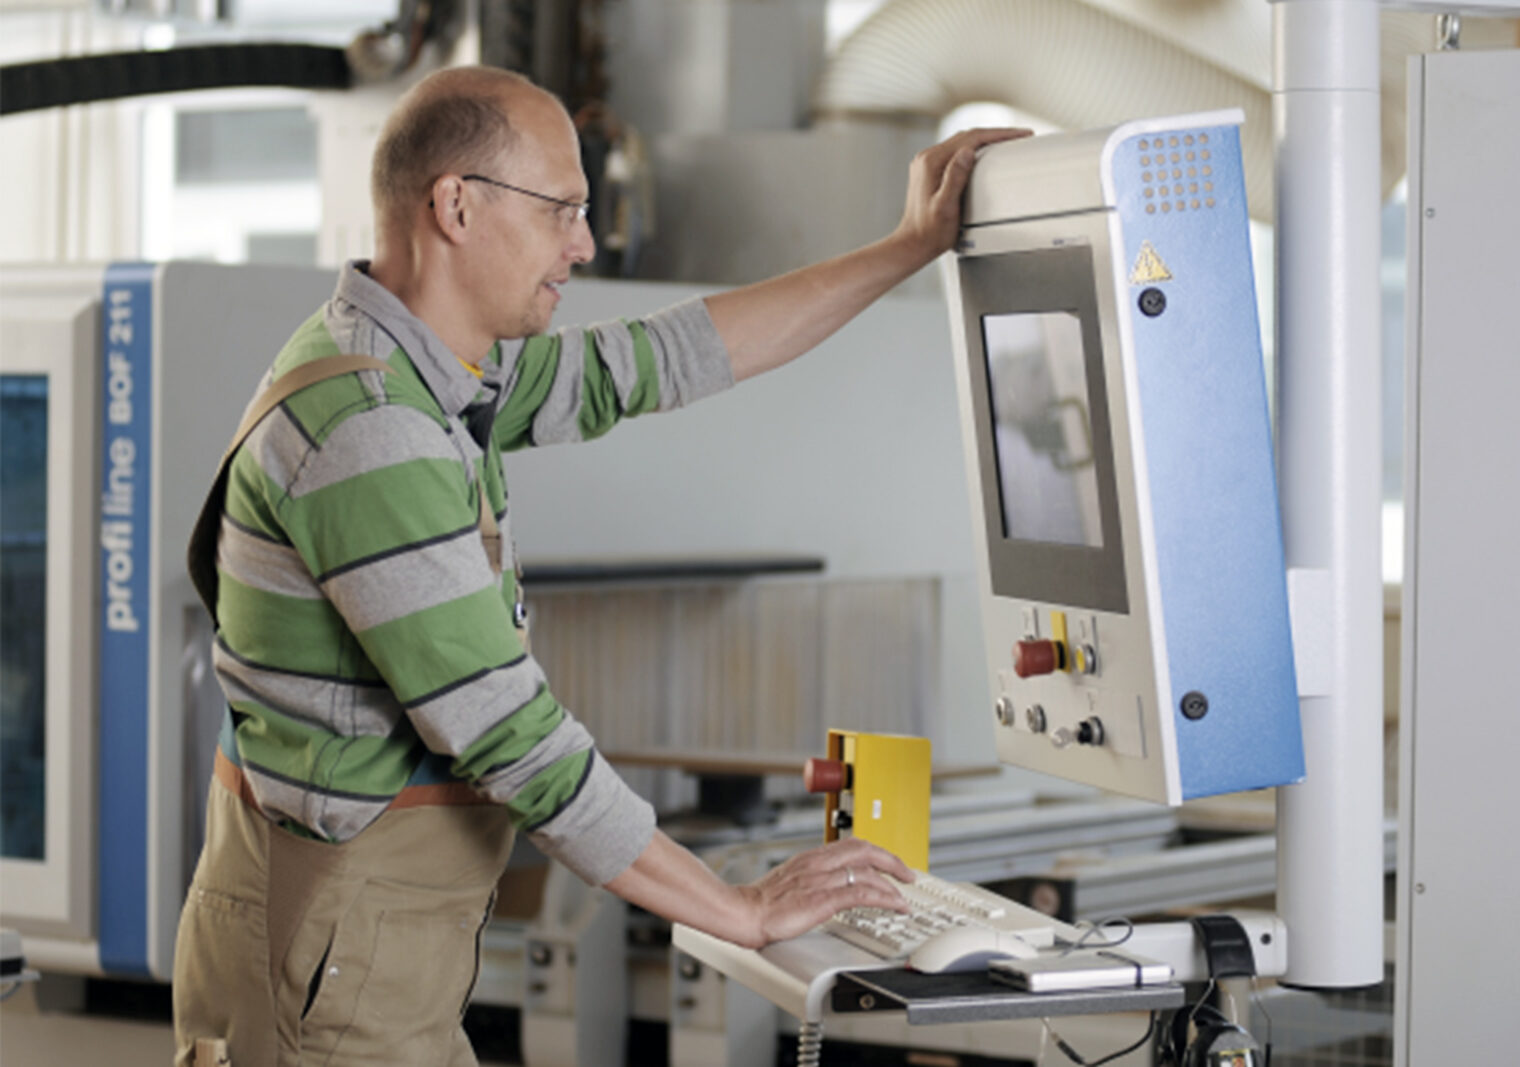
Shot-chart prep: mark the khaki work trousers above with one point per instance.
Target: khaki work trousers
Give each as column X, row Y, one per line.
column 298, row 952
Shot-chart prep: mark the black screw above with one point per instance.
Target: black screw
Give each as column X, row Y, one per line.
column 1195, row 705
column 1152, row 302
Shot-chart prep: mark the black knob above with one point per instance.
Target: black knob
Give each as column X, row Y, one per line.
column 1152, row 302
column 1195, row 705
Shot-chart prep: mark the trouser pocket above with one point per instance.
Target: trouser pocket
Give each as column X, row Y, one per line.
column 222, row 946
column 392, row 987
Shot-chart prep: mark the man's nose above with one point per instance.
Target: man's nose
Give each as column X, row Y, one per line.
column 582, row 243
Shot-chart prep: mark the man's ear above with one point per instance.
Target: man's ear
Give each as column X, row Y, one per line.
column 448, row 208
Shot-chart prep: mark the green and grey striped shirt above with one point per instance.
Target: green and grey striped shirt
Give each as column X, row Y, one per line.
column 366, row 642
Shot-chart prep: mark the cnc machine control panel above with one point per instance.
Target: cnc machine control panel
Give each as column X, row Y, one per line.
column 1117, row 437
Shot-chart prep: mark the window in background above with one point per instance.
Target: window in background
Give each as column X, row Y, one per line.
column 235, row 182
column 335, row 20
column 255, row 144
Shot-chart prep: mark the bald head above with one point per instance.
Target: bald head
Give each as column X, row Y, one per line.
column 453, row 121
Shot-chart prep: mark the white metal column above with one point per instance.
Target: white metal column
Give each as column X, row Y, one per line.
column 1326, row 99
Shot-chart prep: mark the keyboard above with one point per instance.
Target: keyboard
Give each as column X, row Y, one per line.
column 937, row 906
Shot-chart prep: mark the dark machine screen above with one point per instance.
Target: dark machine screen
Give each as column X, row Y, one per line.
column 1042, row 428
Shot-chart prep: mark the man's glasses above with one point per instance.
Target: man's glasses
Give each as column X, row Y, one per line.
column 575, row 211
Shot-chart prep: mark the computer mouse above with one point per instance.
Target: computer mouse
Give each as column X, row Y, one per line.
column 967, row 948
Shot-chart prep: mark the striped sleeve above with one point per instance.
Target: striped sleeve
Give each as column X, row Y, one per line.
column 577, row 384
column 384, row 518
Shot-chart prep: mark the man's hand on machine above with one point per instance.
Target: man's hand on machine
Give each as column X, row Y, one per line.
column 937, row 180
column 813, row 885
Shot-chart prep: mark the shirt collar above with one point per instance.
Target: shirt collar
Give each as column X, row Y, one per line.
column 451, row 384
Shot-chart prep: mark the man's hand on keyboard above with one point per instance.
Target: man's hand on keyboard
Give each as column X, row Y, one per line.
column 811, row 886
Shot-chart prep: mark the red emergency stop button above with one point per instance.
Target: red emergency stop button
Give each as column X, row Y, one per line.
column 1037, row 657
column 825, row 775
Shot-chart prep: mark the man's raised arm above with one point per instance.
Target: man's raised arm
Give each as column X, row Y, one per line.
column 772, row 322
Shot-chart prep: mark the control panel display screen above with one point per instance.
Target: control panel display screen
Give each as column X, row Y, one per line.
column 1042, row 428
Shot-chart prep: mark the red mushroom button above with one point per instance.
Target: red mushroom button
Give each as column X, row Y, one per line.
column 1036, row 657
column 824, row 775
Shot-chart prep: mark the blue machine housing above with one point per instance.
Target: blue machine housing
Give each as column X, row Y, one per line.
column 1209, row 459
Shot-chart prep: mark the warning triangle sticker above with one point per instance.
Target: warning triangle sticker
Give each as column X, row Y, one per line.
column 1149, row 267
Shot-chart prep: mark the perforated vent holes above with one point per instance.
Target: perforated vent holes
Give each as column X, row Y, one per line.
column 1177, row 172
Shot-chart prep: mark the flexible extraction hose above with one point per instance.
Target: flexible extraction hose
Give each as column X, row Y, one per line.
column 1074, row 65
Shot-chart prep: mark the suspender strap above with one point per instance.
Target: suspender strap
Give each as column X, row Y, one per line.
column 202, row 552
column 292, row 382
column 490, row 533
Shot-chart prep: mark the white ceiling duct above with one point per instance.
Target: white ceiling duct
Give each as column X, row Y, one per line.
column 1091, row 63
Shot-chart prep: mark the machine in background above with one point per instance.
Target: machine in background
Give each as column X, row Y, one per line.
column 121, row 387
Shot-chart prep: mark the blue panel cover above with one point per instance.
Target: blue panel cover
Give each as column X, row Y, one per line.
column 1218, row 531
column 126, row 413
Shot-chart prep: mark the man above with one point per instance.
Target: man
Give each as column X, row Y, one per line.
column 387, row 728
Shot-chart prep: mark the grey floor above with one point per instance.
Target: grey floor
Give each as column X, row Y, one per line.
column 33, row 1037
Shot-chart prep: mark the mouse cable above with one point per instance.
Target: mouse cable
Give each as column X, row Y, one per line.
column 1076, row 1057
column 1092, row 928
